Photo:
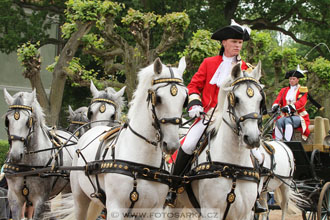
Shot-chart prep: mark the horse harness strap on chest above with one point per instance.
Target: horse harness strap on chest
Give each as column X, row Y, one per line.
column 218, row 169
column 26, row 170
column 132, row 169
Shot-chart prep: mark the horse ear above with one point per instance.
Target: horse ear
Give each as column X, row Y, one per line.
column 158, row 66
column 94, row 90
column 9, row 99
column 33, row 96
column 182, row 65
column 71, row 112
column 236, row 71
column 120, row 93
column 256, row 73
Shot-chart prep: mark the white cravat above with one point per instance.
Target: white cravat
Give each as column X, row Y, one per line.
column 291, row 95
column 223, row 71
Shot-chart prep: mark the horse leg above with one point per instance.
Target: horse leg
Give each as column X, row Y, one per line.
column 81, row 205
column 16, row 205
column 285, row 191
column 263, row 202
column 39, row 208
column 94, row 210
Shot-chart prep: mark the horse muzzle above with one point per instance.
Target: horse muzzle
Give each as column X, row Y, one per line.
column 170, row 148
column 251, row 142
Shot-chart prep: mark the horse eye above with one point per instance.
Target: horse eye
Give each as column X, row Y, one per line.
column 236, row 100
column 158, row 100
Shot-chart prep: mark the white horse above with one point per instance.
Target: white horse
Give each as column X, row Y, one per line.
column 232, row 183
column 32, row 145
column 131, row 174
column 78, row 120
column 282, row 167
column 106, row 106
column 237, row 126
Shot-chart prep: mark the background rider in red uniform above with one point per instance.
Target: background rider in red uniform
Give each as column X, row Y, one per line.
column 292, row 100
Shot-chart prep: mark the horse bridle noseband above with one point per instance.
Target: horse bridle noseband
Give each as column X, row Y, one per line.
column 232, row 100
column 154, row 100
column 29, row 124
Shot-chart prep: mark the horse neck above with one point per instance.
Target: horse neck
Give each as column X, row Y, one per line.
column 39, row 140
column 135, row 148
column 225, row 147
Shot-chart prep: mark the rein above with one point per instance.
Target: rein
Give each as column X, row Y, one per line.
column 232, row 100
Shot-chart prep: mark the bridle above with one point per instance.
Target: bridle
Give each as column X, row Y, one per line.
column 153, row 99
column 102, row 108
column 232, row 101
column 29, row 124
column 78, row 122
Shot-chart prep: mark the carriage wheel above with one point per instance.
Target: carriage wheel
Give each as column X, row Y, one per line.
column 323, row 206
column 309, row 215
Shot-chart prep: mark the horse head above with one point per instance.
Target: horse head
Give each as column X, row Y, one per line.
column 166, row 95
column 245, row 105
column 78, row 119
column 105, row 106
column 21, row 118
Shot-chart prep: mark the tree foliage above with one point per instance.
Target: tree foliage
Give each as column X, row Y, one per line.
column 111, row 41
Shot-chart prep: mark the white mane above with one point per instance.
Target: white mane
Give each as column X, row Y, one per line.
column 222, row 98
column 145, row 77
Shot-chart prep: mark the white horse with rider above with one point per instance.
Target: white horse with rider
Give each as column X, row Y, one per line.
column 226, row 179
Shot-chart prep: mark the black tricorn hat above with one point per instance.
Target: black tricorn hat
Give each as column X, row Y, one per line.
column 295, row 73
column 233, row 31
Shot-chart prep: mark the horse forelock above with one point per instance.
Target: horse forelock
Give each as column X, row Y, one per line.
column 145, row 78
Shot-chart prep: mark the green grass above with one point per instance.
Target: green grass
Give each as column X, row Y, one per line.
column 4, row 147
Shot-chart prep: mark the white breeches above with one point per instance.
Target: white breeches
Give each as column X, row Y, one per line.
column 193, row 136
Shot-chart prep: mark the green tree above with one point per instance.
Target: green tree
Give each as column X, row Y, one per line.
column 105, row 44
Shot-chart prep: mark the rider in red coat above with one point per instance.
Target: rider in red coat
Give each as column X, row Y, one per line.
column 203, row 92
column 292, row 101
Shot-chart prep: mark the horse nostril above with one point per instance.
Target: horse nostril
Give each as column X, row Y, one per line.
column 251, row 142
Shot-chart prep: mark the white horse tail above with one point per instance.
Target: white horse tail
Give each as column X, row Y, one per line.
column 62, row 207
column 294, row 200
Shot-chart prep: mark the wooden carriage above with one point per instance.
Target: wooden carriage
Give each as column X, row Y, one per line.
column 312, row 174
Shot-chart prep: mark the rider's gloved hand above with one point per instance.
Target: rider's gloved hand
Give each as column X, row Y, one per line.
column 275, row 107
column 286, row 109
column 195, row 111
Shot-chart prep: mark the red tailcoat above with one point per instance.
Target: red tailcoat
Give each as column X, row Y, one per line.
column 301, row 100
column 200, row 82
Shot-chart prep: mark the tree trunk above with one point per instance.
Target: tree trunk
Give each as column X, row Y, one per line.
column 59, row 74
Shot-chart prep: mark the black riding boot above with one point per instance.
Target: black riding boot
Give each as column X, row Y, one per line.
column 178, row 170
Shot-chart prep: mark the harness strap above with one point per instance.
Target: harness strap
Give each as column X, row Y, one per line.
column 140, row 136
column 134, row 195
column 231, row 196
column 25, row 193
column 129, row 168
